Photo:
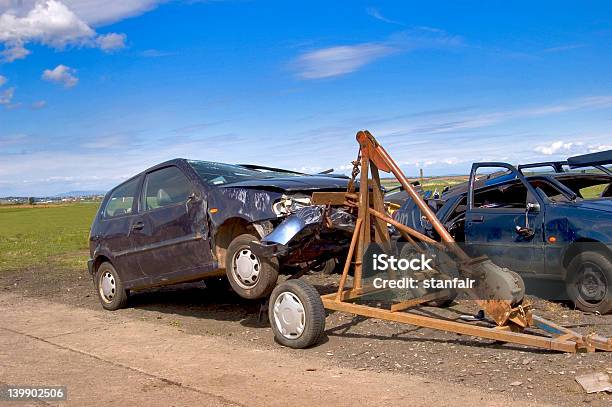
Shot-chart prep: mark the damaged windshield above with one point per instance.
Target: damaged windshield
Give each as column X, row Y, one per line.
column 221, row 174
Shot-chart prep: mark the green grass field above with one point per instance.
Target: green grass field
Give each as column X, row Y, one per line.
column 45, row 236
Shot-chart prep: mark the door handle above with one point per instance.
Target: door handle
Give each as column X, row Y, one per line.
column 137, row 226
column 477, row 219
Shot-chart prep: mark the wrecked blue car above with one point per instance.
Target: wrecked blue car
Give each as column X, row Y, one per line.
column 185, row 220
column 551, row 222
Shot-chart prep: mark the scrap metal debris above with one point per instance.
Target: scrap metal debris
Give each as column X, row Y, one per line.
column 595, row 382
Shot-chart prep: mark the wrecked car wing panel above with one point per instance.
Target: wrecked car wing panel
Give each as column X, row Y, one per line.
column 249, row 204
column 294, row 224
column 312, row 233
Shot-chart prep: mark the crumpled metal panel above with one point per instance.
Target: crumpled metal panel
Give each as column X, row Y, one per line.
column 294, row 224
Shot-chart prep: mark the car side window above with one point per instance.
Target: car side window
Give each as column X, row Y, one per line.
column 167, row 186
column 549, row 190
column 121, row 201
column 504, row 196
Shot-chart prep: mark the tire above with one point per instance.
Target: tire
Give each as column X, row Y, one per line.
column 250, row 276
column 109, row 287
column 589, row 284
column 327, row 267
column 293, row 300
column 217, row 284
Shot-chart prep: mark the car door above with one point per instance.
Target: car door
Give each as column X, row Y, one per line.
column 505, row 222
column 115, row 231
column 169, row 240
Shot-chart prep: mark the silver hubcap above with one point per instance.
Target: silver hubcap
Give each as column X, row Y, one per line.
column 108, row 286
column 246, row 268
column 592, row 284
column 289, row 315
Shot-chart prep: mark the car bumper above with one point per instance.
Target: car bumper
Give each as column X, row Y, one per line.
column 269, row 249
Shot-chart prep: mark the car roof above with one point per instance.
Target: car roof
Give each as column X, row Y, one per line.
column 174, row 161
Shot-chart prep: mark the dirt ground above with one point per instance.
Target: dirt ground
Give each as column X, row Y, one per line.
column 461, row 368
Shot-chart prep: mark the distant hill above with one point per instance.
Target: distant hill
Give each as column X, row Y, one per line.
column 79, row 194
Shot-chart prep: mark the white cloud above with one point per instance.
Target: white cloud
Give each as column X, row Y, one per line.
column 61, row 74
column 155, row 53
column 14, row 51
column 554, row 148
column 562, row 48
column 48, row 22
column 112, row 41
column 487, row 119
column 344, row 59
column 103, row 12
column 6, row 96
column 92, row 12
column 374, row 12
column 563, row 148
column 39, row 104
column 594, row 148
column 334, row 61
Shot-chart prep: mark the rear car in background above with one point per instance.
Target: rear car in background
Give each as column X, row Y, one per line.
column 551, row 222
column 185, row 220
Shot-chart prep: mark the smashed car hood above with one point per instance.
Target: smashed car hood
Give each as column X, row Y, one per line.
column 300, row 183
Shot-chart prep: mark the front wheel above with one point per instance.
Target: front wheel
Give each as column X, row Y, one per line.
column 250, row 275
column 109, row 287
column 296, row 314
column 589, row 283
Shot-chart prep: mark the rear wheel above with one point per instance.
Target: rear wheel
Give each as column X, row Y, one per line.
column 250, row 275
column 326, row 267
column 109, row 287
column 296, row 313
column 589, row 284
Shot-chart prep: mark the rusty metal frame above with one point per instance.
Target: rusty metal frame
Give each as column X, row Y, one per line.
column 371, row 225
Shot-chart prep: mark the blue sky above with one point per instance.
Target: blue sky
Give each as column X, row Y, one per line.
column 95, row 91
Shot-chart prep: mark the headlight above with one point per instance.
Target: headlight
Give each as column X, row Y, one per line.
column 290, row 203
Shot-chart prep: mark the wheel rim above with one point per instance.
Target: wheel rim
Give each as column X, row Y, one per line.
column 246, row 268
column 108, row 286
column 289, row 315
column 592, row 284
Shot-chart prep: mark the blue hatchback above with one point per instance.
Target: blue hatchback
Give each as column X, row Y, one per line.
column 551, row 222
